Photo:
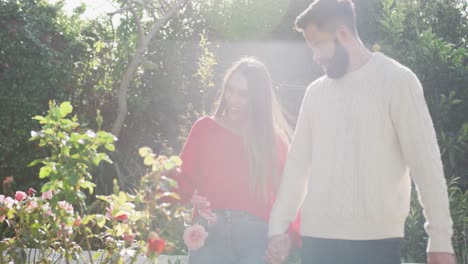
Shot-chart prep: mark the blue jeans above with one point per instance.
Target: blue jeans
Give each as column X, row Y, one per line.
column 335, row 251
column 235, row 238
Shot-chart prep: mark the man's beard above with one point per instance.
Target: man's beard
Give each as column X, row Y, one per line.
column 337, row 65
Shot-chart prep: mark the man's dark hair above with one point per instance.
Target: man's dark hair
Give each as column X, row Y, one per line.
column 327, row 15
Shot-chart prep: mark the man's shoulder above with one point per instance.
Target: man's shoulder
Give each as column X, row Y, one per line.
column 316, row 85
column 393, row 68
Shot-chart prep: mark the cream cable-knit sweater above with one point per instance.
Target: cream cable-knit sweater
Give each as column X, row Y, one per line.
column 348, row 168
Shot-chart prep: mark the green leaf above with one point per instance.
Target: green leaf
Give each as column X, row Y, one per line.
column 45, row 171
column 73, row 178
column 48, row 186
column 169, row 165
column 144, row 151
column 87, row 185
column 177, row 160
column 149, row 159
column 98, row 45
column 97, row 255
column 88, row 218
column 99, row 119
column 167, row 194
column 34, row 163
column 107, row 159
column 41, row 119
column 172, row 183
column 119, row 230
column 104, row 198
column 110, row 147
column 65, row 109
column 100, row 221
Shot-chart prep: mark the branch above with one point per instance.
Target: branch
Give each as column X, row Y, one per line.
column 119, row 11
column 141, row 34
column 136, row 60
column 163, row 20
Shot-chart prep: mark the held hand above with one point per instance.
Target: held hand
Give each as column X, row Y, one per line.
column 440, row 258
column 278, row 250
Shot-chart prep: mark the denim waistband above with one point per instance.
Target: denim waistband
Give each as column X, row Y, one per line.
column 240, row 215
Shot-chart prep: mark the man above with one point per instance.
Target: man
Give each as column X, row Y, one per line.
column 362, row 130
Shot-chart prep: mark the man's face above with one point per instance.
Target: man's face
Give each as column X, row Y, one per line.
column 328, row 51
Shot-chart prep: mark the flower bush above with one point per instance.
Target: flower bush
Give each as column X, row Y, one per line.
column 58, row 223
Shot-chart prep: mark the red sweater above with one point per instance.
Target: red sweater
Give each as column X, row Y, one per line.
column 216, row 165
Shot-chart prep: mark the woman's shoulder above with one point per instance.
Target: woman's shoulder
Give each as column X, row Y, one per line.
column 202, row 124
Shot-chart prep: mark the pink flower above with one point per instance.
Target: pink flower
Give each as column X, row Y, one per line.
column 199, row 201
column 46, row 209
column 194, row 237
column 109, row 212
column 66, row 206
column 31, row 206
column 77, row 221
column 2, row 214
column 8, row 201
column 47, row 195
column 64, row 231
column 8, row 179
column 208, row 215
column 128, row 238
column 120, row 217
column 155, row 243
column 31, row 192
column 20, row 196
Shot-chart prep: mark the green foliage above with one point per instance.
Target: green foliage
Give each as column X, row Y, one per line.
column 46, row 55
column 130, row 226
column 36, row 59
column 73, row 149
column 412, row 32
column 45, row 224
column 244, row 19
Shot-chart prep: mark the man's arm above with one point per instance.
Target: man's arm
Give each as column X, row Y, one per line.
column 420, row 150
column 293, row 185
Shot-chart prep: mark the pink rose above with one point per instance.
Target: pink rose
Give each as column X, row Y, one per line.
column 9, row 202
column 66, row 206
column 31, row 206
column 208, row 215
column 64, row 231
column 128, row 238
column 31, row 192
column 194, row 237
column 46, row 209
column 121, row 217
column 109, row 212
column 155, row 243
column 20, row 196
column 77, row 221
column 2, row 217
column 199, row 201
column 47, row 195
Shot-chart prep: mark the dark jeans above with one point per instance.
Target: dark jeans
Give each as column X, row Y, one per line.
column 235, row 238
column 334, row 251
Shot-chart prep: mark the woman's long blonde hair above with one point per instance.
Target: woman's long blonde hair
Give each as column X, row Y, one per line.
column 266, row 125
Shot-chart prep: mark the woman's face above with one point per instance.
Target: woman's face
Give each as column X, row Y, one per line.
column 236, row 97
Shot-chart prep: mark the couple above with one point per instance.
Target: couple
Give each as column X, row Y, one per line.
column 362, row 130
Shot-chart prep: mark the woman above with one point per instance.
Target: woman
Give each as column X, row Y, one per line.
column 235, row 160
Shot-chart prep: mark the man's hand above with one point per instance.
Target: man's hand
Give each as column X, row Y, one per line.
column 440, row 258
column 278, row 250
